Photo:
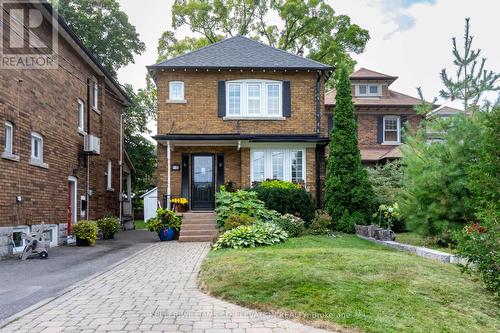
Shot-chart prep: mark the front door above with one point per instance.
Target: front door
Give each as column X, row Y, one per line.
column 203, row 189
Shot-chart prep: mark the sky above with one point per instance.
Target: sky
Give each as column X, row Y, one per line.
column 410, row 39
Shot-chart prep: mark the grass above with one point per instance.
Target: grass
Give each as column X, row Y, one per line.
column 140, row 224
column 351, row 284
column 413, row 238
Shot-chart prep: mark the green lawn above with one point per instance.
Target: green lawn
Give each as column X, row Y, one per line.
column 413, row 238
column 140, row 224
column 352, row 283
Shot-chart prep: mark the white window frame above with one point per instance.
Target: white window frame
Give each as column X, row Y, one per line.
column 171, row 84
column 109, row 176
column 81, row 116
column 34, row 138
column 398, row 130
column 9, row 138
column 244, row 99
column 23, row 229
column 368, row 94
column 287, row 162
column 95, row 95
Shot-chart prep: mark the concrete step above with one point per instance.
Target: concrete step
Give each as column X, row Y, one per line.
column 199, row 226
column 198, row 221
column 198, row 233
column 206, row 238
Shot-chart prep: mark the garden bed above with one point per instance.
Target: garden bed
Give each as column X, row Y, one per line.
column 349, row 282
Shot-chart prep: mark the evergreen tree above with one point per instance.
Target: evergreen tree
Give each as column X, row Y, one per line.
column 349, row 197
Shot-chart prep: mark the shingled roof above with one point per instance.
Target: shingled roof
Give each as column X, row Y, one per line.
column 368, row 74
column 240, row 53
column 394, row 99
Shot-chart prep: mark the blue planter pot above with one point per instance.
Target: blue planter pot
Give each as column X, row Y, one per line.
column 166, row 234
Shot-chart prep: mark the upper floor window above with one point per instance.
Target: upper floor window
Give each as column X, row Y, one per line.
column 254, row 98
column 176, row 91
column 392, row 129
column 369, row 90
column 95, row 94
column 9, row 137
column 36, row 147
column 81, row 116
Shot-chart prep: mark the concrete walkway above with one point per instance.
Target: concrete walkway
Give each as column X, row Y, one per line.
column 153, row 291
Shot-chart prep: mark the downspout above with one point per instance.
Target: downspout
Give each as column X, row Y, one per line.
column 318, row 134
column 168, row 174
column 87, row 185
column 120, row 200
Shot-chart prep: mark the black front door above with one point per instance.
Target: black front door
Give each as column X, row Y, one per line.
column 203, row 189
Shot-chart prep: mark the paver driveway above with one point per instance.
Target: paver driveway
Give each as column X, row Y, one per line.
column 154, row 291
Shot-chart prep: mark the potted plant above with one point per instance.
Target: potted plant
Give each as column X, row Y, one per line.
column 179, row 204
column 108, row 227
column 85, row 233
column 165, row 224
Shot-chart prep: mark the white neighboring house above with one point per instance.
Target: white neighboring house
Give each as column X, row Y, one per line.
column 150, row 203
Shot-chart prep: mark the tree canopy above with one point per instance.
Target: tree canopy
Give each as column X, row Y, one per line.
column 310, row 28
column 104, row 29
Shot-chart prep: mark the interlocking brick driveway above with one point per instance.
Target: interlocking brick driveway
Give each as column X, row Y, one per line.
column 153, row 291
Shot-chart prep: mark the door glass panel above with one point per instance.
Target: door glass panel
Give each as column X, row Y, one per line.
column 277, row 158
column 203, row 169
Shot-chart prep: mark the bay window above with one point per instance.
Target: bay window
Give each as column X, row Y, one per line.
column 254, row 99
column 282, row 164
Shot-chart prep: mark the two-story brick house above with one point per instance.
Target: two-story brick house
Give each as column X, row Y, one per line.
column 381, row 114
column 45, row 116
column 238, row 111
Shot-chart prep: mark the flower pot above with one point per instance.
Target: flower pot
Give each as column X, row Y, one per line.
column 166, row 234
column 82, row 242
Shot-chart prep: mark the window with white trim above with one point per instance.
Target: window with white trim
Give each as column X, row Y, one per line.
column 9, row 137
column 392, row 129
column 368, row 90
column 176, row 91
column 17, row 238
column 254, row 99
column 81, row 116
column 36, row 147
column 109, row 179
column 95, row 94
column 278, row 163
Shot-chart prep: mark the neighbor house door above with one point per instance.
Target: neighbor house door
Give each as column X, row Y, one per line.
column 203, row 187
column 72, row 190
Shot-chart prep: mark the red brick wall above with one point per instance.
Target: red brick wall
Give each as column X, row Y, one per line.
column 46, row 102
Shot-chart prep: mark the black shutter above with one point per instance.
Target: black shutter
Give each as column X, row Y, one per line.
column 380, row 129
column 403, row 120
column 185, row 176
column 330, row 123
column 221, row 98
column 287, row 99
column 220, row 171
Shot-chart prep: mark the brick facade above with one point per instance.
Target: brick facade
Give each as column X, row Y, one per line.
column 46, row 101
column 199, row 116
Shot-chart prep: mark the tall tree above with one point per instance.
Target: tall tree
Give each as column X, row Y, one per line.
column 472, row 80
column 309, row 28
column 349, row 197
column 104, row 29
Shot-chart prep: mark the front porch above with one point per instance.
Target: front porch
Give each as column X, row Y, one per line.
column 196, row 166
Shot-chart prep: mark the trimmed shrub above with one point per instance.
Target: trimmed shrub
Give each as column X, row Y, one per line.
column 235, row 220
column 292, row 224
column 259, row 234
column 321, row 225
column 347, row 222
column 108, row 226
column 85, row 230
column 288, row 200
column 275, row 183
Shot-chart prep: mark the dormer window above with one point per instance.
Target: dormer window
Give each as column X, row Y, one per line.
column 368, row 90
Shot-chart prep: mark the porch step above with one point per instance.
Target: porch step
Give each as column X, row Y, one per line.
column 198, row 227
